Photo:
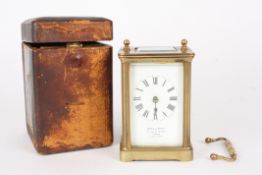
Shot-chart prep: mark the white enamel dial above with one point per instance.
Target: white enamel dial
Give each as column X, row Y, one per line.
column 155, row 98
column 156, row 104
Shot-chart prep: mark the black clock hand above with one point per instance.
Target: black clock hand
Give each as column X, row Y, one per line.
column 155, row 100
column 155, row 112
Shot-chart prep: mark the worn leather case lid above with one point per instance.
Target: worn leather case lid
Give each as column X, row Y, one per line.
column 66, row 29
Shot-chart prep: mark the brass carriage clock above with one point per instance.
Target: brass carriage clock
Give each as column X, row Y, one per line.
column 156, row 102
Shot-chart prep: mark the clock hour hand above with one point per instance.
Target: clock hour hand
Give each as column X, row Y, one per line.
column 155, row 100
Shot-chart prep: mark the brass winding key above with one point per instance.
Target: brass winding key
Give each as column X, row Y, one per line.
column 229, row 146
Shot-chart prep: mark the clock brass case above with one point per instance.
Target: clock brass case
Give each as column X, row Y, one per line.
column 128, row 152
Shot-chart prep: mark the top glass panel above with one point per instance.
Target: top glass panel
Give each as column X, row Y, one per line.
column 159, row 49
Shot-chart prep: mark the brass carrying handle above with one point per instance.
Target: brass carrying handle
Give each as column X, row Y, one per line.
column 229, row 146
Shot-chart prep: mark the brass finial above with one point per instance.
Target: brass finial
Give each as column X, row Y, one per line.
column 213, row 156
column 208, row 140
column 229, row 146
column 184, row 45
column 126, row 45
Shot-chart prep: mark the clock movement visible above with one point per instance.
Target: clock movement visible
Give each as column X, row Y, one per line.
column 156, row 102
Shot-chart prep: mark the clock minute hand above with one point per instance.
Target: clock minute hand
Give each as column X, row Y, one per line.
column 155, row 112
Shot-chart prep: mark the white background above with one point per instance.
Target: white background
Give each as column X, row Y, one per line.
column 226, row 87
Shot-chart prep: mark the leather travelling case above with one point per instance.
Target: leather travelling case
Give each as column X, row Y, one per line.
column 68, row 83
